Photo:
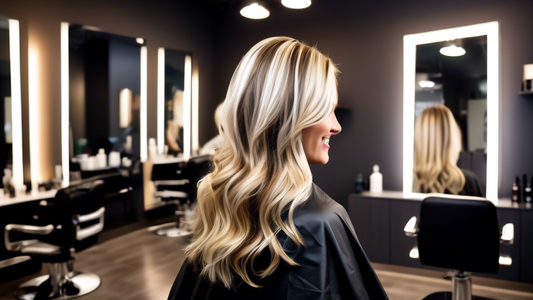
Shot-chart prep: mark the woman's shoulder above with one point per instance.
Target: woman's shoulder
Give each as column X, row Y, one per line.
column 320, row 209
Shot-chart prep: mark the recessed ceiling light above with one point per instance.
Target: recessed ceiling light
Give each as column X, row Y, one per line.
column 255, row 11
column 140, row 41
column 452, row 51
column 296, row 4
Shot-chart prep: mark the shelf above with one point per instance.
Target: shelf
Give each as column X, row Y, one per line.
column 526, row 94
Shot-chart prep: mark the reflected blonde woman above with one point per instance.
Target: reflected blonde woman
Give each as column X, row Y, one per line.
column 437, row 148
column 264, row 230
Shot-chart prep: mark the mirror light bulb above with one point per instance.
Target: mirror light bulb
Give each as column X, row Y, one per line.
column 255, row 11
column 452, row 51
column 296, row 4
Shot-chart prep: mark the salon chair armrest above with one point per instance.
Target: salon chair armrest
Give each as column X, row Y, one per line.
column 411, row 228
column 91, row 230
column 30, row 229
column 507, row 236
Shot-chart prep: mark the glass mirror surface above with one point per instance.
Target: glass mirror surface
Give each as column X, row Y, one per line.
column 176, row 99
column 10, row 102
column 105, row 88
column 460, row 84
column 6, row 137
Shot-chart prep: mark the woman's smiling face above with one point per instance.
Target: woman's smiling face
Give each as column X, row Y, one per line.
column 315, row 139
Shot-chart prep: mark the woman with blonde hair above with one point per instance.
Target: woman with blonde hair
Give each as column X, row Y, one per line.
column 263, row 229
column 437, row 149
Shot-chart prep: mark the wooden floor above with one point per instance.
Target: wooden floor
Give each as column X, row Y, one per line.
column 141, row 265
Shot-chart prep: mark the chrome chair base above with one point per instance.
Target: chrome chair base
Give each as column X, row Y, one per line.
column 75, row 284
column 448, row 296
column 170, row 230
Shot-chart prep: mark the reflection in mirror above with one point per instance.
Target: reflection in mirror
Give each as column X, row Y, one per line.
column 464, row 86
column 10, row 102
column 174, row 102
column 455, row 86
column 105, row 91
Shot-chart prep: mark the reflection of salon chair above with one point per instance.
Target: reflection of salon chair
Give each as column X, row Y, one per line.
column 75, row 214
column 459, row 233
column 117, row 188
column 176, row 184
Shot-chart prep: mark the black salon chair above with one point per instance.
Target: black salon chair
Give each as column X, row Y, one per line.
column 462, row 234
column 76, row 213
column 176, row 184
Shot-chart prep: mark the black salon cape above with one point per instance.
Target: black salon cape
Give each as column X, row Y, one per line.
column 332, row 263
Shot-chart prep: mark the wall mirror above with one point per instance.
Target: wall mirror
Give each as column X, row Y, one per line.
column 174, row 102
column 10, row 100
column 467, row 83
column 104, row 94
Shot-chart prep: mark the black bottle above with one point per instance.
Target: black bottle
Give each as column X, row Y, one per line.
column 528, row 192
column 359, row 183
column 515, row 194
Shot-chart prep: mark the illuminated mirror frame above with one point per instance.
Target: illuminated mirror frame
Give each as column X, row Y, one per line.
column 189, row 107
column 65, row 103
column 16, row 101
column 491, row 30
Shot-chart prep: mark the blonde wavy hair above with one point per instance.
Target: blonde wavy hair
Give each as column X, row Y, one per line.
column 437, row 148
column 280, row 87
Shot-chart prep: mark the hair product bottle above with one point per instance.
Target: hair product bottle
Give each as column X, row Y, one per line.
column 515, row 194
column 376, row 181
column 528, row 192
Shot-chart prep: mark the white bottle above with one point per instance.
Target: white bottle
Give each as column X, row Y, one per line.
column 101, row 159
column 114, row 159
column 376, row 181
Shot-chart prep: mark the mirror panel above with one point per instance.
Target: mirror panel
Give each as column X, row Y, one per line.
column 10, row 101
column 174, row 102
column 106, row 94
column 468, row 85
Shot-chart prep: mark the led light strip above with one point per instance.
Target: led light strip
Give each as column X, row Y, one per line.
column 33, row 111
column 187, row 108
column 144, row 140
column 160, row 100
column 65, row 152
column 16, row 101
column 491, row 30
column 194, row 117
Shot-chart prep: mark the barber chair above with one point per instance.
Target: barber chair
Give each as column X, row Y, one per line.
column 75, row 214
column 176, row 184
column 459, row 233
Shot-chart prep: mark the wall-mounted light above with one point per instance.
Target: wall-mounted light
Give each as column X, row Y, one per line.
column 144, row 101
column 65, row 141
column 125, row 103
column 452, row 51
column 255, row 11
column 187, row 97
column 139, row 41
column 160, row 100
column 296, row 4
column 16, row 102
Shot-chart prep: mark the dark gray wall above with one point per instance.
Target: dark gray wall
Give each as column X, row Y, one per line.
column 365, row 40
column 183, row 25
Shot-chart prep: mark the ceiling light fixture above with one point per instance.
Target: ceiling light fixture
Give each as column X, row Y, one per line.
column 452, row 51
column 296, row 4
column 255, row 11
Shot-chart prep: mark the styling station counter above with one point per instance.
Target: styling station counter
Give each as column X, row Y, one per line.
column 19, row 210
column 380, row 218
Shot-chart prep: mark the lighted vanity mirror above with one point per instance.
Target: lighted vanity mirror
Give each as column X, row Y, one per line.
column 174, row 102
column 104, row 86
column 452, row 70
column 10, row 101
